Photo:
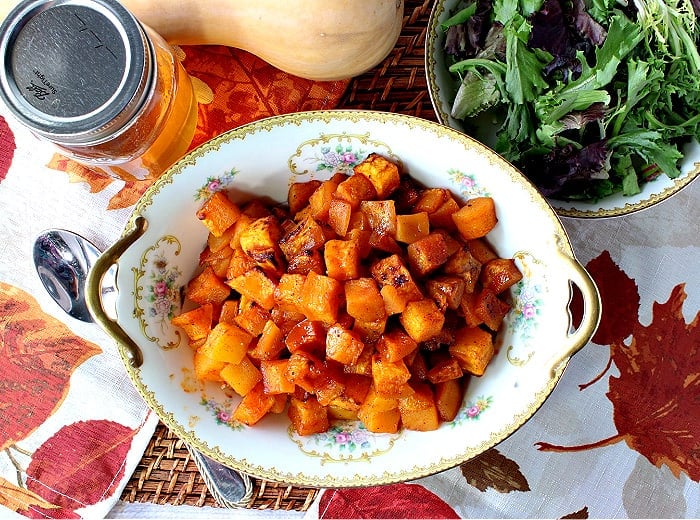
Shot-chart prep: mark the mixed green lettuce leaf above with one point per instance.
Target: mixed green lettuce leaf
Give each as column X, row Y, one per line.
column 592, row 96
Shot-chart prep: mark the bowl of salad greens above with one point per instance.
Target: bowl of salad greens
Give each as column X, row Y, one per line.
column 597, row 102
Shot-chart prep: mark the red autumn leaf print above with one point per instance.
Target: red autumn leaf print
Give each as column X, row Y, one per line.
column 492, row 470
column 655, row 397
column 81, row 464
column 7, row 148
column 392, row 501
column 38, row 354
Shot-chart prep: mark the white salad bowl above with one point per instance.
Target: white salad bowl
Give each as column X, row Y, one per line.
column 442, row 88
column 159, row 250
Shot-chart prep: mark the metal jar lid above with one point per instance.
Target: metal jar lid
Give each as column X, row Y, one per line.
column 74, row 71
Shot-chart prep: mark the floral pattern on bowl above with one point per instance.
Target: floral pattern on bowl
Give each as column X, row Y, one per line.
column 158, row 283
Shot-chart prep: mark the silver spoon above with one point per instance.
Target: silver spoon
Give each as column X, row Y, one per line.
column 62, row 260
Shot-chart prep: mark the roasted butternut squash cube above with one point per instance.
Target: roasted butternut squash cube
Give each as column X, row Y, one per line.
column 255, row 405
column 196, row 323
column 389, row 377
column 466, row 266
column 320, row 200
column 363, row 300
column 382, row 173
column 257, row 286
column 442, row 217
column 299, row 193
column 307, row 335
column 418, row 410
column 473, row 348
column 369, row 331
column 206, row 368
column 380, row 414
column 328, row 382
column 239, row 263
column 229, row 311
column 422, row 320
column 446, row 291
column 444, row 370
column 476, row 218
column 288, row 292
column 280, row 404
column 343, row 345
column 448, row 398
column 500, row 274
column 226, row 342
column 241, row 377
column 321, row 298
column 269, row 344
column 206, row 287
column 274, row 376
column 260, row 241
column 307, row 235
column 430, row 199
column 396, row 282
column 395, row 345
column 467, row 308
column 355, row 189
column 307, row 416
column 307, row 262
column 251, row 317
column 342, row 259
column 218, row 213
column 481, row 250
column 427, row 254
column 412, row 227
column 218, row 260
column 339, row 214
column 363, row 365
column 215, row 243
column 347, row 405
column 302, row 369
column 255, row 209
column 381, row 215
column 490, row 309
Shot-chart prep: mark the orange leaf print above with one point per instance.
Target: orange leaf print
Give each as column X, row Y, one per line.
column 7, row 147
column 80, row 464
column 655, row 397
column 18, row 499
column 38, row 354
column 492, row 470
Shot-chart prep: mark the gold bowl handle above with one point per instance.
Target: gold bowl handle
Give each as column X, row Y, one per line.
column 94, row 293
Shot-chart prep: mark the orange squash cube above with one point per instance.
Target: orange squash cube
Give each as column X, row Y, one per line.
column 307, row 416
column 218, row 260
column 422, row 320
column 239, row 263
column 446, row 291
column 466, row 266
column 381, row 215
column 418, row 410
column 259, row 240
column 412, row 227
column 307, row 335
column 431, row 199
column 380, row 414
column 500, row 274
column 288, row 292
column 342, row 259
column 257, row 286
column 481, row 250
column 448, row 398
column 490, row 309
column 206, row 368
column 321, row 298
column 355, row 189
column 339, row 214
column 395, row 345
column 218, row 213
column 255, row 405
column 269, row 344
column 274, row 376
column 307, row 235
column 206, row 287
column 320, row 200
column 445, row 370
column 363, row 300
column 226, row 342
column 382, row 173
column 473, row 348
column 196, row 323
column 229, row 311
column 389, row 376
column 241, row 377
column 299, row 193
column 251, row 317
column 427, row 254
column 396, row 282
column 343, row 345
column 476, row 218
column 442, row 217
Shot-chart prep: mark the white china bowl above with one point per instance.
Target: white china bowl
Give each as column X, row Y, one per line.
column 158, row 253
column 442, row 87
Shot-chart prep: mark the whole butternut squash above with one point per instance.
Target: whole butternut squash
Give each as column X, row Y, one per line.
column 322, row 40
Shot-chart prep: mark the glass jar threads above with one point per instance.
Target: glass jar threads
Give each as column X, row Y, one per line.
column 106, row 90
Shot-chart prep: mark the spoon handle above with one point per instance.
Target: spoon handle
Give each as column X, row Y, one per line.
column 230, row 488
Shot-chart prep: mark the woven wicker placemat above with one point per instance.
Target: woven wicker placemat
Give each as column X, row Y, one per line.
column 166, row 473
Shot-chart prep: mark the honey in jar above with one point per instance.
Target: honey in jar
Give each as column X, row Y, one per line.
column 108, row 91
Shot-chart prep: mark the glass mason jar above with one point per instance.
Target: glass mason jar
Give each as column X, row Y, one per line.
column 106, row 90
